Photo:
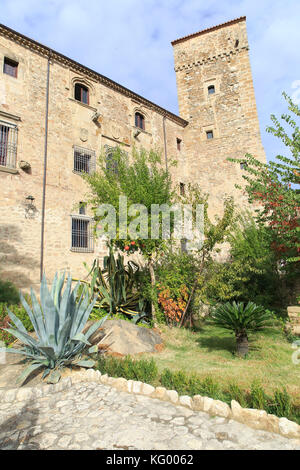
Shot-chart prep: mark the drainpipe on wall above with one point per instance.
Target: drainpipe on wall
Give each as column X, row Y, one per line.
column 165, row 141
column 45, row 170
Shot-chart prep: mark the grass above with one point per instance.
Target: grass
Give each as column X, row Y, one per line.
column 210, row 352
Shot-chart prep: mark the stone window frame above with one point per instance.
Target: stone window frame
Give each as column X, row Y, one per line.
column 82, row 239
column 139, row 109
column 91, row 163
column 141, row 119
column 84, row 93
column 215, row 82
column 11, row 146
column 208, row 128
column 79, row 80
column 10, row 65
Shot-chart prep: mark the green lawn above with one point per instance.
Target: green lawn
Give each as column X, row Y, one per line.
column 210, row 352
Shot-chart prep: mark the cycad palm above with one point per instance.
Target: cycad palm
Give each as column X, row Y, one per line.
column 241, row 319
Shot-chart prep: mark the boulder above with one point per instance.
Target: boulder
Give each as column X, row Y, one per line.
column 122, row 337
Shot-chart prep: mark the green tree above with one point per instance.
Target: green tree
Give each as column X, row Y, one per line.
column 143, row 180
column 251, row 273
column 275, row 187
column 215, row 233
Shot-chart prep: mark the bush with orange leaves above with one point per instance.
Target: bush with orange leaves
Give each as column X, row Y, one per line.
column 173, row 309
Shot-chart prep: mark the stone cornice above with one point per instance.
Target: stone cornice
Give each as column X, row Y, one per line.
column 211, row 59
column 70, row 63
column 209, row 30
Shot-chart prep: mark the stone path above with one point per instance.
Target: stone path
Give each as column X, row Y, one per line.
column 94, row 416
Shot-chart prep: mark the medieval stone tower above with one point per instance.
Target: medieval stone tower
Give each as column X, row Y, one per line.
column 216, row 96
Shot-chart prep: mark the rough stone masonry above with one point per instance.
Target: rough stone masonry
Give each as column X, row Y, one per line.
column 88, row 112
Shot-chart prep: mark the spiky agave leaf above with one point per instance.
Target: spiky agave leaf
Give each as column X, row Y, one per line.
column 53, row 377
column 88, row 363
column 58, row 322
column 31, row 368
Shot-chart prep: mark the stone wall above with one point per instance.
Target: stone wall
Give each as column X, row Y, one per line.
column 23, row 101
column 217, row 57
column 210, row 58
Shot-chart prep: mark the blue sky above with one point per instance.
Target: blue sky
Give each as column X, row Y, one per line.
column 129, row 41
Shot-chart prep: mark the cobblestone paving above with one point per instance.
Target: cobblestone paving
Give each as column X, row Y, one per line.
column 94, row 416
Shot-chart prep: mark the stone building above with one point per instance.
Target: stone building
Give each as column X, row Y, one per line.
column 56, row 116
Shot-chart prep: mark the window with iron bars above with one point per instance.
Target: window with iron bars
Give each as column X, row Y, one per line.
column 84, row 160
column 111, row 162
column 8, row 144
column 82, row 234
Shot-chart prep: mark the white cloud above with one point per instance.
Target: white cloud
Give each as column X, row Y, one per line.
column 129, row 41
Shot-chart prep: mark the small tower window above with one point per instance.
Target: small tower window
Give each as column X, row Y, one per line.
column 182, row 189
column 209, row 134
column 243, row 165
column 178, row 144
column 82, row 208
column 140, row 121
column 81, row 93
column 10, row 67
column 211, row 89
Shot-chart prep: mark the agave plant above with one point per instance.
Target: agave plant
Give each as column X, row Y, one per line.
column 114, row 285
column 58, row 322
column 241, row 319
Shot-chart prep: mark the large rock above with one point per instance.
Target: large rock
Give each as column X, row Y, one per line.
column 123, row 337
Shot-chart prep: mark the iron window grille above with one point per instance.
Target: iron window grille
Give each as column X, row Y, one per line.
column 209, row 134
column 140, row 121
column 10, row 67
column 111, row 162
column 8, row 144
column 84, row 160
column 82, row 234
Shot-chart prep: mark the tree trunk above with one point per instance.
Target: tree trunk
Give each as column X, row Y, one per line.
column 153, row 282
column 242, row 345
column 184, row 315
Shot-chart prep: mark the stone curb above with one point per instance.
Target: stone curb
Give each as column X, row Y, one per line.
column 257, row 419
column 31, row 393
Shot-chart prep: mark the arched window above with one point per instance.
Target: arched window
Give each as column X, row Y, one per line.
column 140, row 121
column 81, row 93
column 211, row 89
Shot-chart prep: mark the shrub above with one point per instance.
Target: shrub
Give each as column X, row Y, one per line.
column 114, row 286
column 8, row 293
column 20, row 313
column 234, row 392
column 175, row 381
column 251, row 274
column 280, row 403
column 259, row 398
column 142, row 370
